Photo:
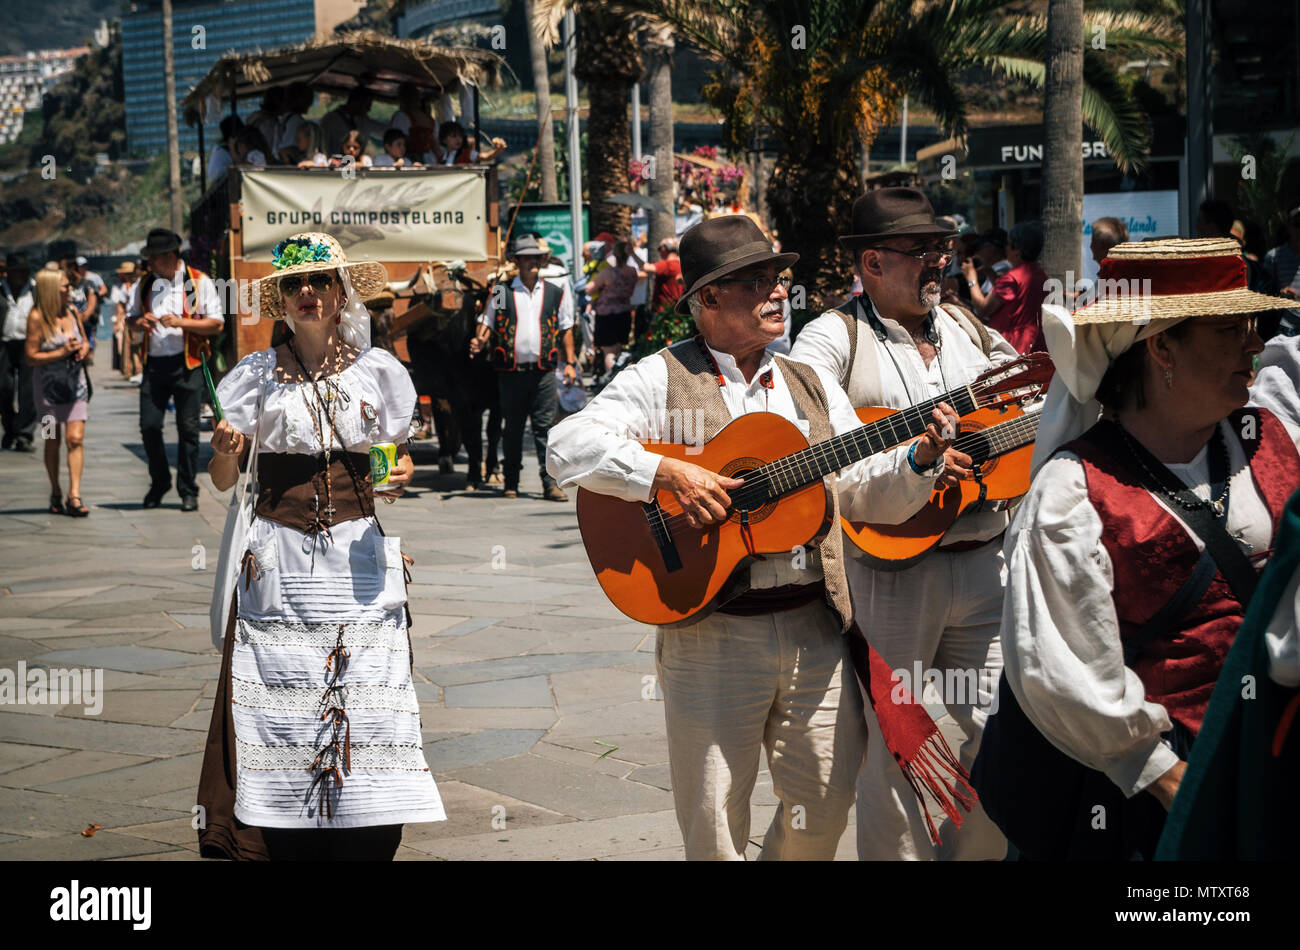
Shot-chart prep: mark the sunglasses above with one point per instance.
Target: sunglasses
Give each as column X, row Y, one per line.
column 320, row 281
column 761, row 285
column 918, row 253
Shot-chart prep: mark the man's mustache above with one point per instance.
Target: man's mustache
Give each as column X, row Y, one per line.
column 931, row 275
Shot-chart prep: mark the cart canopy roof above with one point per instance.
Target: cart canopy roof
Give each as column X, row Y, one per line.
column 338, row 64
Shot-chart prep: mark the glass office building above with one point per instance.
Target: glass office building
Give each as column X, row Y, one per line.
column 202, row 32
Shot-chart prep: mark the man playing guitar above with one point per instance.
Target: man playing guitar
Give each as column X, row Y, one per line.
column 896, row 346
column 771, row 667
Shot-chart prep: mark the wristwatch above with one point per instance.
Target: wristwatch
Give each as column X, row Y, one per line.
column 970, row 283
column 571, row 363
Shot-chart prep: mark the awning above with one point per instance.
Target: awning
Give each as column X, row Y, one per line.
column 341, row 63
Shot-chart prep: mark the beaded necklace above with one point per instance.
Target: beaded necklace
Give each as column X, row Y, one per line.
column 322, row 408
column 1217, row 505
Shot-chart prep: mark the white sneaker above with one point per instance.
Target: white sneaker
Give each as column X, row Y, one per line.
column 137, row 379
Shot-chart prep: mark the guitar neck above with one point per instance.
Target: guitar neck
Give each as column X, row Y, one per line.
column 792, row 472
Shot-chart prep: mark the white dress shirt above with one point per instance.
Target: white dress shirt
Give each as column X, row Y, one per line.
column 598, row 448
column 167, row 297
column 528, row 312
column 17, row 308
column 905, row 379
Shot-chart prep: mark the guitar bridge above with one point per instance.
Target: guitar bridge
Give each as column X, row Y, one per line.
column 663, row 538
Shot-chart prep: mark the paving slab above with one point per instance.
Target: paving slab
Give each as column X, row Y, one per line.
column 527, row 691
column 490, row 745
column 567, row 789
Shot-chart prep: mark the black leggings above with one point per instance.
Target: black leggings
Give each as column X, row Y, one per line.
column 373, row 843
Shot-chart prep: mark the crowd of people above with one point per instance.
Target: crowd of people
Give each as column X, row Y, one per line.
column 279, row 133
column 1092, row 619
column 1094, row 616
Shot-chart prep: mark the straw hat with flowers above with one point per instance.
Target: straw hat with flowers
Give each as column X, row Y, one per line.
column 309, row 252
column 1174, row 279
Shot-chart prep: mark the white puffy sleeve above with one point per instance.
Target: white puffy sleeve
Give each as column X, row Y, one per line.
column 1276, row 382
column 1060, row 636
column 238, row 391
column 396, row 394
column 598, row 448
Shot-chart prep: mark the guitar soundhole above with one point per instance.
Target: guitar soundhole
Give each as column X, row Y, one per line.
column 979, row 448
column 740, row 468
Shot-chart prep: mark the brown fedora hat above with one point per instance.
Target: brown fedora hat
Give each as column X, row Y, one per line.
column 893, row 212
column 721, row 246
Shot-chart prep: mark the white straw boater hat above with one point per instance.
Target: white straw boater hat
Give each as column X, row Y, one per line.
column 1188, row 278
column 312, row 251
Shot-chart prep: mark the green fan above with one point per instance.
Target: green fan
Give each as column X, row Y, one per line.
column 217, row 414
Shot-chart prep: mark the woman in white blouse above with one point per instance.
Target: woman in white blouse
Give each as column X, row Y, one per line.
column 1116, row 621
column 315, row 749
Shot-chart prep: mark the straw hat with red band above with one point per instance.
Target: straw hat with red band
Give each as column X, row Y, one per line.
column 1188, row 278
column 1175, row 279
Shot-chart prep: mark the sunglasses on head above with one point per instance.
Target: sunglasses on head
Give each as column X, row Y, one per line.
column 320, row 281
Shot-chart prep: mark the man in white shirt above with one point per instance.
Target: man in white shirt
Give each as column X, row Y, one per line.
column 895, row 346
column 18, row 298
column 523, row 328
column 177, row 309
column 770, row 668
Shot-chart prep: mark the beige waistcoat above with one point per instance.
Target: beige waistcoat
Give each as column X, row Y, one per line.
column 693, row 387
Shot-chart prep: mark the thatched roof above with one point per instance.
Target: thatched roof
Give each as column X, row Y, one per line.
column 341, row 63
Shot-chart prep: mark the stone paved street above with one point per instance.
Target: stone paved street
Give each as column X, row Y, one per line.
column 535, row 698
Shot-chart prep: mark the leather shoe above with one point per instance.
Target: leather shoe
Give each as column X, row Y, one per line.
column 555, row 493
column 189, row 503
column 22, row 444
column 153, row 499
column 510, row 493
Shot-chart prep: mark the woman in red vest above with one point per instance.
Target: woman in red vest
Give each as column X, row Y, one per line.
column 1138, row 545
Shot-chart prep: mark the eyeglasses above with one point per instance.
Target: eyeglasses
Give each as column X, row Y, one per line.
column 922, row 254
column 761, row 285
column 320, row 281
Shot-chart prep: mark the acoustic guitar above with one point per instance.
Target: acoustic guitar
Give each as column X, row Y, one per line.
column 658, row 569
column 1000, row 442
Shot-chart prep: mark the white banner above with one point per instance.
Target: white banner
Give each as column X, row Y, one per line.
column 1146, row 214
column 375, row 214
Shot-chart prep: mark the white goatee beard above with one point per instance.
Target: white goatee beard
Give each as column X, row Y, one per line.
column 929, row 301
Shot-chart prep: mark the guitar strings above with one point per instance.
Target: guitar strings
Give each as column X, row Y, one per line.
column 793, row 465
column 794, row 470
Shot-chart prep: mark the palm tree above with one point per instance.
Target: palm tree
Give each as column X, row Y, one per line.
column 545, row 128
column 809, row 74
column 1063, row 139
column 658, row 40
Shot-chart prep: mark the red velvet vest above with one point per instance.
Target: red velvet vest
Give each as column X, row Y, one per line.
column 1152, row 555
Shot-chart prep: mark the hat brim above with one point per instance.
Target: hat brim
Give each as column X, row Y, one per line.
column 1137, row 308
column 782, row 261
column 368, row 279
column 917, row 230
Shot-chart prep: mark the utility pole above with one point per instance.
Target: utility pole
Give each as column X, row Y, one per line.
column 173, row 136
column 575, row 137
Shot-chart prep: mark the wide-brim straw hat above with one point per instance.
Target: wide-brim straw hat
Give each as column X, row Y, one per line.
column 306, row 253
column 1174, row 279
